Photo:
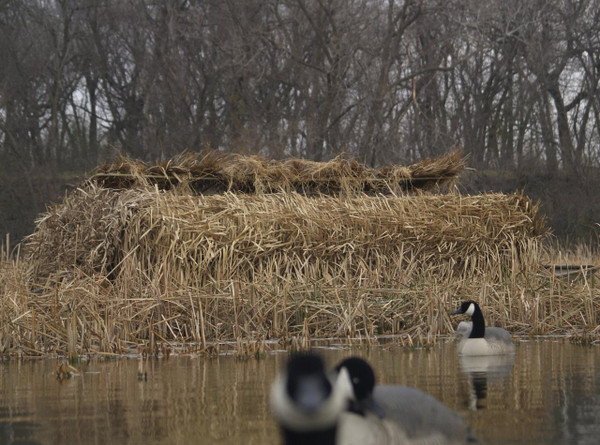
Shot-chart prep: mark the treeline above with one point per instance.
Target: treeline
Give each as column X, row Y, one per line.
column 514, row 83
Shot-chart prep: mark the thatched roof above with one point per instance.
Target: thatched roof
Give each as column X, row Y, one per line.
column 216, row 172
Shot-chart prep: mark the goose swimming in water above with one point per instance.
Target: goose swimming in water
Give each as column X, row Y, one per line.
column 313, row 408
column 400, row 414
column 476, row 338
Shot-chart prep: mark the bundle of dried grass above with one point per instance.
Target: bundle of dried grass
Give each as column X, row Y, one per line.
column 215, row 172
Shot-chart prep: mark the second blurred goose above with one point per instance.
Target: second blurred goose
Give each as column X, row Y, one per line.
column 399, row 414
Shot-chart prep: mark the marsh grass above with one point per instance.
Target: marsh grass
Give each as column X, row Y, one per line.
column 71, row 319
column 152, row 270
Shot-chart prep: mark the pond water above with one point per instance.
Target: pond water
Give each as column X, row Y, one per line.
column 549, row 394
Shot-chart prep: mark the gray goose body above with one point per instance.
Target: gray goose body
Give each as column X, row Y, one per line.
column 464, row 329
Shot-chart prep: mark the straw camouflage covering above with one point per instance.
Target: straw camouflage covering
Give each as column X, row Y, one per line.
column 148, row 264
column 216, row 172
column 214, row 238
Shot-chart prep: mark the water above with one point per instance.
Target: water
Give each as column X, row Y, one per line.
column 549, row 394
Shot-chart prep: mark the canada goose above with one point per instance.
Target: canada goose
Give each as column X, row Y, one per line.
column 307, row 403
column 400, row 414
column 481, row 340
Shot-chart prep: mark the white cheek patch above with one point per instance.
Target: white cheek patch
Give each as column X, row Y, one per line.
column 471, row 310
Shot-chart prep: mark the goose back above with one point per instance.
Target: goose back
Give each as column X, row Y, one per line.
column 420, row 417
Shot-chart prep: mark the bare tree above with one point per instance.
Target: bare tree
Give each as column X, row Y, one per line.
column 514, row 83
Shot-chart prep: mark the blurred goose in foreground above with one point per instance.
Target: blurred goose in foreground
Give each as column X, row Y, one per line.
column 307, row 403
column 398, row 414
column 481, row 340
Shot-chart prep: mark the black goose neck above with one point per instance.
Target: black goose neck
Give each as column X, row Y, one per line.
column 321, row 437
column 478, row 330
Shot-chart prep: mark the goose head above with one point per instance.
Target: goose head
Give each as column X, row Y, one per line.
column 307, row 403
column 467, row 308
column 472, row 309
column 362, row 378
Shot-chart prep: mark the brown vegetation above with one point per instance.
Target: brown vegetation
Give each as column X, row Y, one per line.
column 157, row 269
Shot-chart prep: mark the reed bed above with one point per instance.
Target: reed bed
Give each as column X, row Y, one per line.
column 156, row 270
column 90, row 315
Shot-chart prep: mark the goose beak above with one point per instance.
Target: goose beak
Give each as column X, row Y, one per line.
column 456, row 312
column 310, row 394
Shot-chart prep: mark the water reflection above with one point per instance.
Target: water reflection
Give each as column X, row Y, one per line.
column 479, row 370
column 13, row 429
column 549, row 394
